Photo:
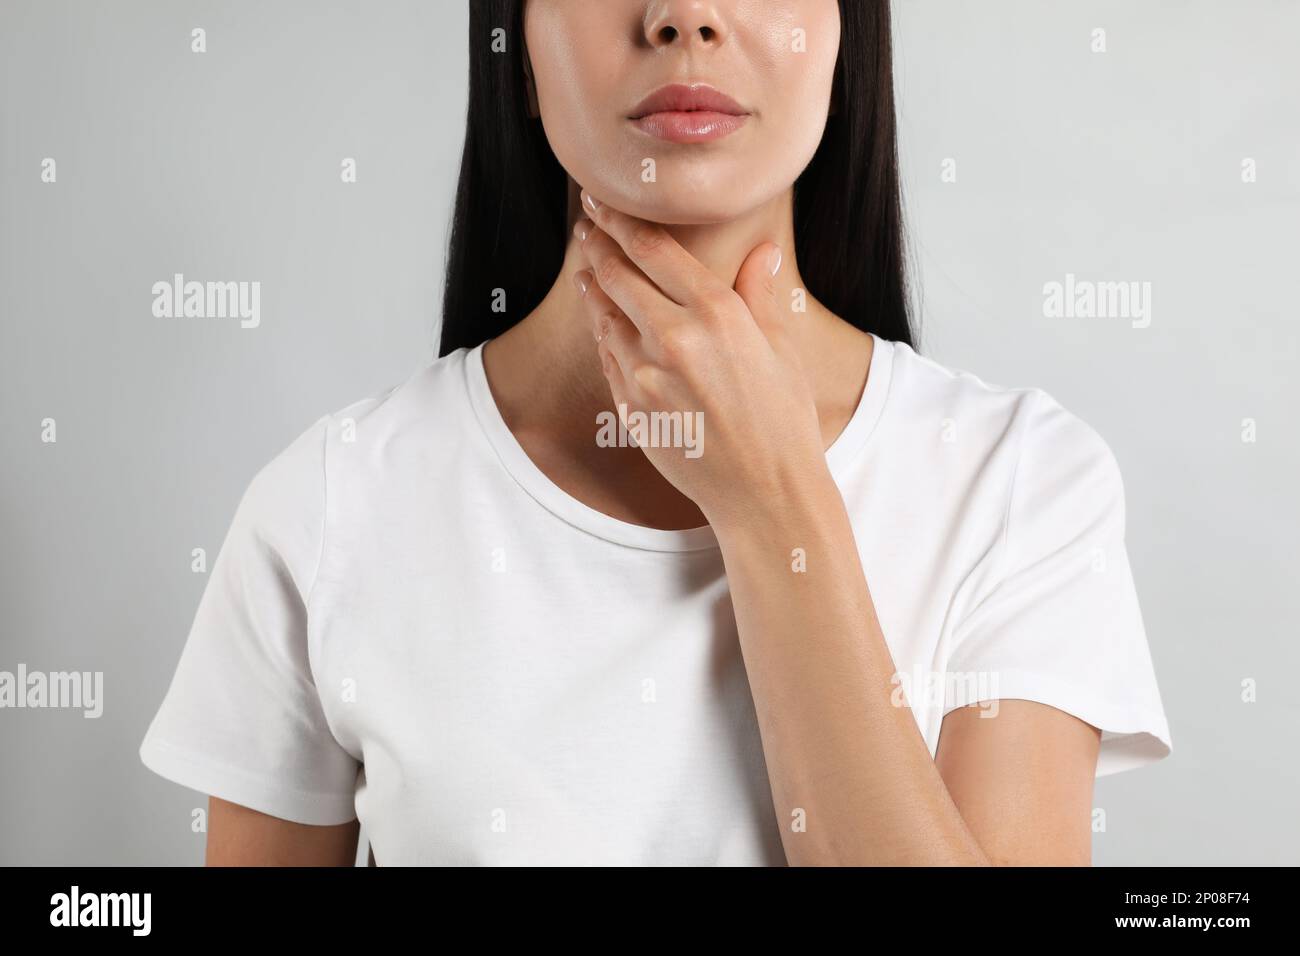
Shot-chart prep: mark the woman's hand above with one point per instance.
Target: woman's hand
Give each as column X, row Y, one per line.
column 673, row 338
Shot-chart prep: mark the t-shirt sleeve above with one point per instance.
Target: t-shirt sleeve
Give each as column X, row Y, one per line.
column 242, row 720
column 1060, row 623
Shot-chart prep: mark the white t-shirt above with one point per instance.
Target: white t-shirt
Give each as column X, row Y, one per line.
column 411, row 624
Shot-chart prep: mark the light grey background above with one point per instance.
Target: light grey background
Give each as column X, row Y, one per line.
column 1123, row 165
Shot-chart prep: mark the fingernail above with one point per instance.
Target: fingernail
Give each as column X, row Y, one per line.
column 582, row 229
column 590, row 202
column 582, row 280
column 601, row 328
column 774, row 260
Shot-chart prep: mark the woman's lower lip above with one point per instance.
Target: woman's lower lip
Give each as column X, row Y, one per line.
column 698, row 126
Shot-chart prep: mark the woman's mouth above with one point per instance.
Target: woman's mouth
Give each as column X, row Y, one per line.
column 688, row 114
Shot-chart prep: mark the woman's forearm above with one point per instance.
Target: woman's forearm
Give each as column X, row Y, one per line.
column 852, row 779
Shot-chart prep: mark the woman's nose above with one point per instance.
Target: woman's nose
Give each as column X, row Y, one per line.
column 684, row 23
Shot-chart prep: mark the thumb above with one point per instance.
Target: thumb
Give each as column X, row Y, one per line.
column 756, row 284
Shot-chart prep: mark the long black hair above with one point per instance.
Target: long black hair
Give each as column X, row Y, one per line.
column 509, row 229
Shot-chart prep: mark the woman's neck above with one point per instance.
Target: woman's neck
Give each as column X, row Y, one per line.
column 549, row 358
column 546, row 379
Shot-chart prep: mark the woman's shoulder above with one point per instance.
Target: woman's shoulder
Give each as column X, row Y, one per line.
column 429, row 398
column 1044, row 452
column 923, row 389
column 285, row 500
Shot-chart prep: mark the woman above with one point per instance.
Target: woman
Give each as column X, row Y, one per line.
column 819, row 601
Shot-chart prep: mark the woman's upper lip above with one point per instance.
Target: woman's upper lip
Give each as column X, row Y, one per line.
column 688, row 99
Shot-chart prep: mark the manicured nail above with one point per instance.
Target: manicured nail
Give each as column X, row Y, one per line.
column 590, row 202
column 582, row 229
column 582, row 280
column 601, row 328
column 774, row 260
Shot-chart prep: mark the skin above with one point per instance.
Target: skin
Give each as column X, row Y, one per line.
column 667, row 301
column 238, row 836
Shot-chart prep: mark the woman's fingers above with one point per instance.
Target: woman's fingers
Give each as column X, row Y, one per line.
column 678, row 274
column 634, row 294
column 617, row 339
column 614, row 376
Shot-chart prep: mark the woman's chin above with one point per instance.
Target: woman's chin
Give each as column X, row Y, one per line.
column 692, row 210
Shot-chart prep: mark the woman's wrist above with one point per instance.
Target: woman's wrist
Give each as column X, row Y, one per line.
column 795, row 502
